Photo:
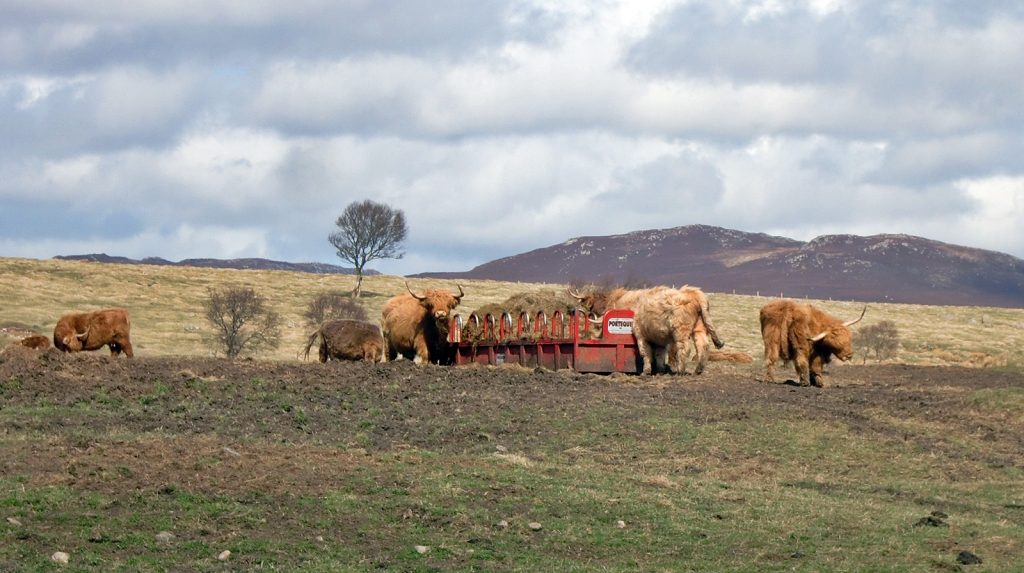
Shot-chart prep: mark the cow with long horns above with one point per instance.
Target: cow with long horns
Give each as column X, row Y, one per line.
column 805, row 335
column 416, row 325
column 94, row 330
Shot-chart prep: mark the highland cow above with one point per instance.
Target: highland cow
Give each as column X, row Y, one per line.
column 348, row 339
column 805, row 335
column 93, row 330
column 416, row 326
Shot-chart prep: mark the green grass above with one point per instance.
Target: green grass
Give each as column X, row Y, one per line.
column 619, row 481
column 759, row 491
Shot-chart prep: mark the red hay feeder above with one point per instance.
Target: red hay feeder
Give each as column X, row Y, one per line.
column 553, row 342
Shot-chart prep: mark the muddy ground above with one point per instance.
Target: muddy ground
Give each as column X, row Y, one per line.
column 173, row 411
column 227, row 454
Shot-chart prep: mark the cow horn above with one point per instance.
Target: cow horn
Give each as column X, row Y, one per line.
column 82, row 335
column 819, row 337
column 461, row 294
column 576, row 295
column 597, row 319
column 416, row 296
column 856, row 320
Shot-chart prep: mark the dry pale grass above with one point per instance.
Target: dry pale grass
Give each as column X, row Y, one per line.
column 167, row 316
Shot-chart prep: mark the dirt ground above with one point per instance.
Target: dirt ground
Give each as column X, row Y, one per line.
column 160, row 418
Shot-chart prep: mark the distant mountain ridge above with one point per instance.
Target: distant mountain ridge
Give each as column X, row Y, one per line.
column 245, row 263
column 882, row 268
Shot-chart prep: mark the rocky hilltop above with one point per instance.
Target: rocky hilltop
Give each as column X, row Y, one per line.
column 884, row 268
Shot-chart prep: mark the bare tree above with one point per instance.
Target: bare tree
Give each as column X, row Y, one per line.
column 368, row 231
column 333, row 305
column 881, row 338
column 241, row 320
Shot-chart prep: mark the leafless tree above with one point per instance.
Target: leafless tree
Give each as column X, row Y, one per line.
column 333, row 305
column 882, row 338
column 368, row 231
column 242, row 320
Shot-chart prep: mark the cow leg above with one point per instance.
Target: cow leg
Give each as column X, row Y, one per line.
column 390, row 353
column 119, row 344
column 700, row 346
column 422, row 352
column 682, row 354
column 663, row 359
column 817, row 374
column 646, row 352
column 770, row 357
column 802, row 369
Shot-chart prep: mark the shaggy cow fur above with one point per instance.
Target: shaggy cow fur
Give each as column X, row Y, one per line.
column 663, row 317
column 805, row 335
column 348, row 340
column 416, row 326
column 36, row 342
column 93, row 330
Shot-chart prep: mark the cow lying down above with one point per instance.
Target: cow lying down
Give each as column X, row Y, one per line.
column 348, row 340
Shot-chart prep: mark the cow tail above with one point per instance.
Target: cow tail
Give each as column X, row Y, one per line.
column 705, row 316
column 309, row 343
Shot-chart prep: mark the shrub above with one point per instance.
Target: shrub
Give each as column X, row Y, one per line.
column 241, row 320
column 882, row 339
column 331, row 306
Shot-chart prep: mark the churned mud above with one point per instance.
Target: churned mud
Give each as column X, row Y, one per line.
column 188, row 407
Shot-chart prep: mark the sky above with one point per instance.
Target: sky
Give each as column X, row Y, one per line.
column 243, row 128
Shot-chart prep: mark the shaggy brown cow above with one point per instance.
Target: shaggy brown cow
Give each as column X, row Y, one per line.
column 806, row 335
column 35, row 342
column 663, row 317
column 93, row 330
column 416, row 326
column 348, row 340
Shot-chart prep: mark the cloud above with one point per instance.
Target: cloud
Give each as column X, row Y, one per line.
column 227, row 128
column 888, row 57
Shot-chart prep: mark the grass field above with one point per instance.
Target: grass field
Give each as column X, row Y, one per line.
column 167, row 318
column 179, row 461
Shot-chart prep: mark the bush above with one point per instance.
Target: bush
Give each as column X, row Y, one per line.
column 332, row 306
column 883, row 339
column 241, row 320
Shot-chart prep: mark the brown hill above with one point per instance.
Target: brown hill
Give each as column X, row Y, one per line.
column 884, row 268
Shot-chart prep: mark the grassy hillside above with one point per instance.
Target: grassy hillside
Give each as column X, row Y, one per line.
column 166, row 309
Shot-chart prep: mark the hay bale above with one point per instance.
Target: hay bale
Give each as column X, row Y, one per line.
column 730, row 356
column 549, row 301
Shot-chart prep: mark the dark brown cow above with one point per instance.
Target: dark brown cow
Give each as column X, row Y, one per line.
column 806, row 335
column 93, row 330
column 348, row 340
column 416, row 326
column 36, row 342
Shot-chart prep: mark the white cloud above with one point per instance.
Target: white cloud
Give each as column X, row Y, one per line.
column 131, row 99
column 996, row 223
column 185, row 241
column 243, row 129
